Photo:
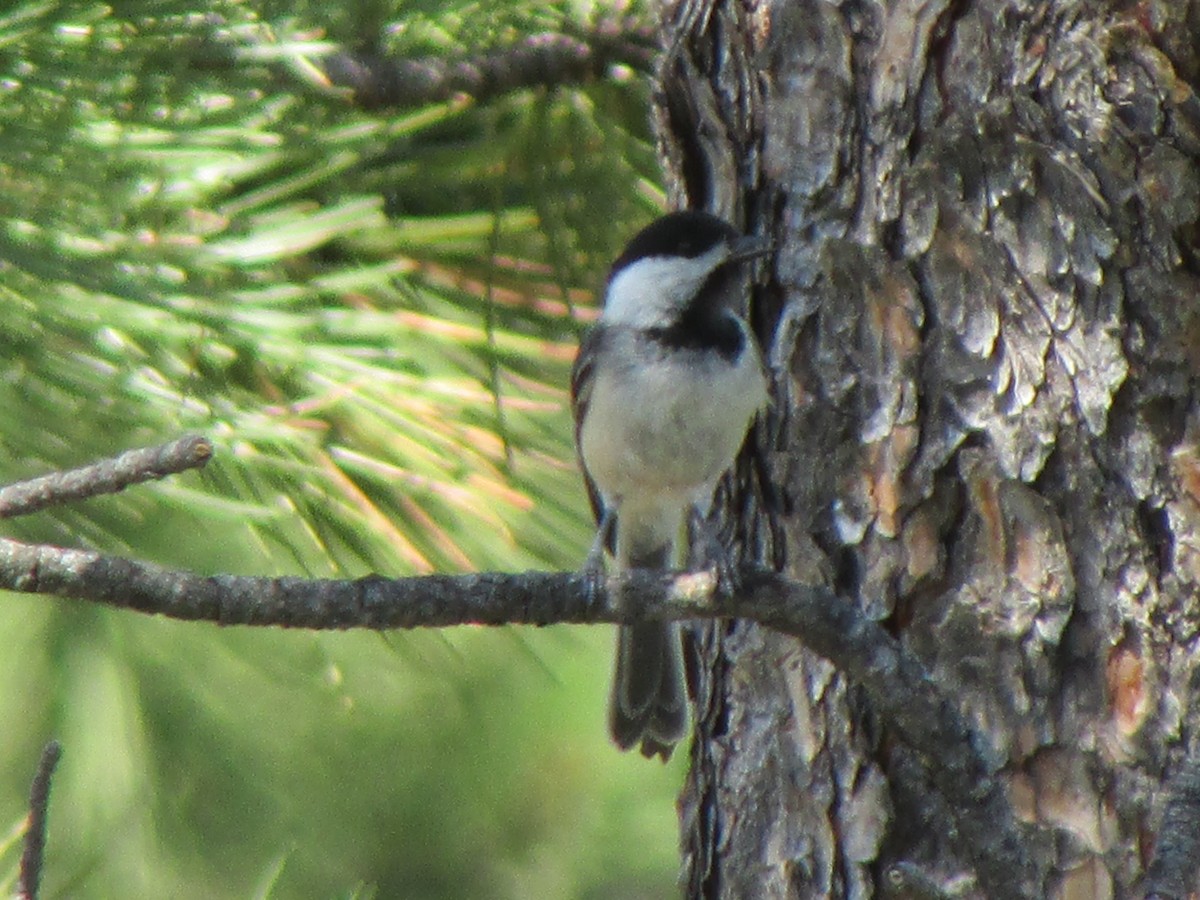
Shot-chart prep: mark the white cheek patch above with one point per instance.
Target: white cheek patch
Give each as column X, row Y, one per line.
column 650, row 292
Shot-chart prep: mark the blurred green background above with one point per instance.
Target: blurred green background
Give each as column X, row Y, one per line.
column 372, row 314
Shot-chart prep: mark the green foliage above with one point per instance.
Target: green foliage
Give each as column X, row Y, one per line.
column 372, row 314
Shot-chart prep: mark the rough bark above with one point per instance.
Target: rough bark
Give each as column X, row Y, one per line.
column 982, row 325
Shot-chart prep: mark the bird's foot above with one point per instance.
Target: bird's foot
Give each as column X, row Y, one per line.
column 593, row 565
column 709, row 551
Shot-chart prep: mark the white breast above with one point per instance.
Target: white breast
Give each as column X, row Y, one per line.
column 662, row 433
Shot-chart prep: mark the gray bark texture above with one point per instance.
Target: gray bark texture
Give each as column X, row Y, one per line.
column 983, row 327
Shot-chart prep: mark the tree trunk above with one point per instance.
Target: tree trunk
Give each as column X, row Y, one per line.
column 983, row 332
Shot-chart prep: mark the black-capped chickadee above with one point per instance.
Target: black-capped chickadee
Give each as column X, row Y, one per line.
column 663, row 391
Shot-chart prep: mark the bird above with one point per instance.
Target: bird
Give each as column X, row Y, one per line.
column 664, row 389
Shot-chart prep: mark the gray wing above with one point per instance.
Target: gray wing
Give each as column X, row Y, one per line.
column 581, row 391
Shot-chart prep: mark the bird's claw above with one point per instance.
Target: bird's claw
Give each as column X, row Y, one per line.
column 593, row 564
column 710, row 552
column 729, row 576
column 593, row 580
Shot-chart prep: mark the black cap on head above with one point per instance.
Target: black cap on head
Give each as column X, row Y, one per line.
column 688, row 234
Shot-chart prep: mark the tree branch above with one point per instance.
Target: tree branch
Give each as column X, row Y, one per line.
column 542, row 60
column 35, row 830
column 106, row 477
column 895, row 681
column 911, row 704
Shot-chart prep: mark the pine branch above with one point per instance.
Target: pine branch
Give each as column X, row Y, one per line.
column 375, row 81
column 897, row 684
column 542, row 60
column 35, row 830
column 106, row 477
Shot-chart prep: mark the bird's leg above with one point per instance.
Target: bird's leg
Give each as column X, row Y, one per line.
column 709, row 551
column 593, row 564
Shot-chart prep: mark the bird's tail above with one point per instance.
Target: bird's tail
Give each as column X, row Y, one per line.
column 649, row 698
column 649, row 701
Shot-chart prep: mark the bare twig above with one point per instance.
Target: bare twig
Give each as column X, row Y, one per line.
column 35, row 829
column 1174, row 871
column 543, row 60
column 105, row 477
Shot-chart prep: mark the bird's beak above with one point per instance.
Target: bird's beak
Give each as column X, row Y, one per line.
column 749, row 247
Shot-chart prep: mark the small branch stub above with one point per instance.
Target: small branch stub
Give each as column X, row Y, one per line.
column 32, row 858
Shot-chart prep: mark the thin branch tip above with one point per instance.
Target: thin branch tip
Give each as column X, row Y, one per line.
column 105, row 477
column 199, row 448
